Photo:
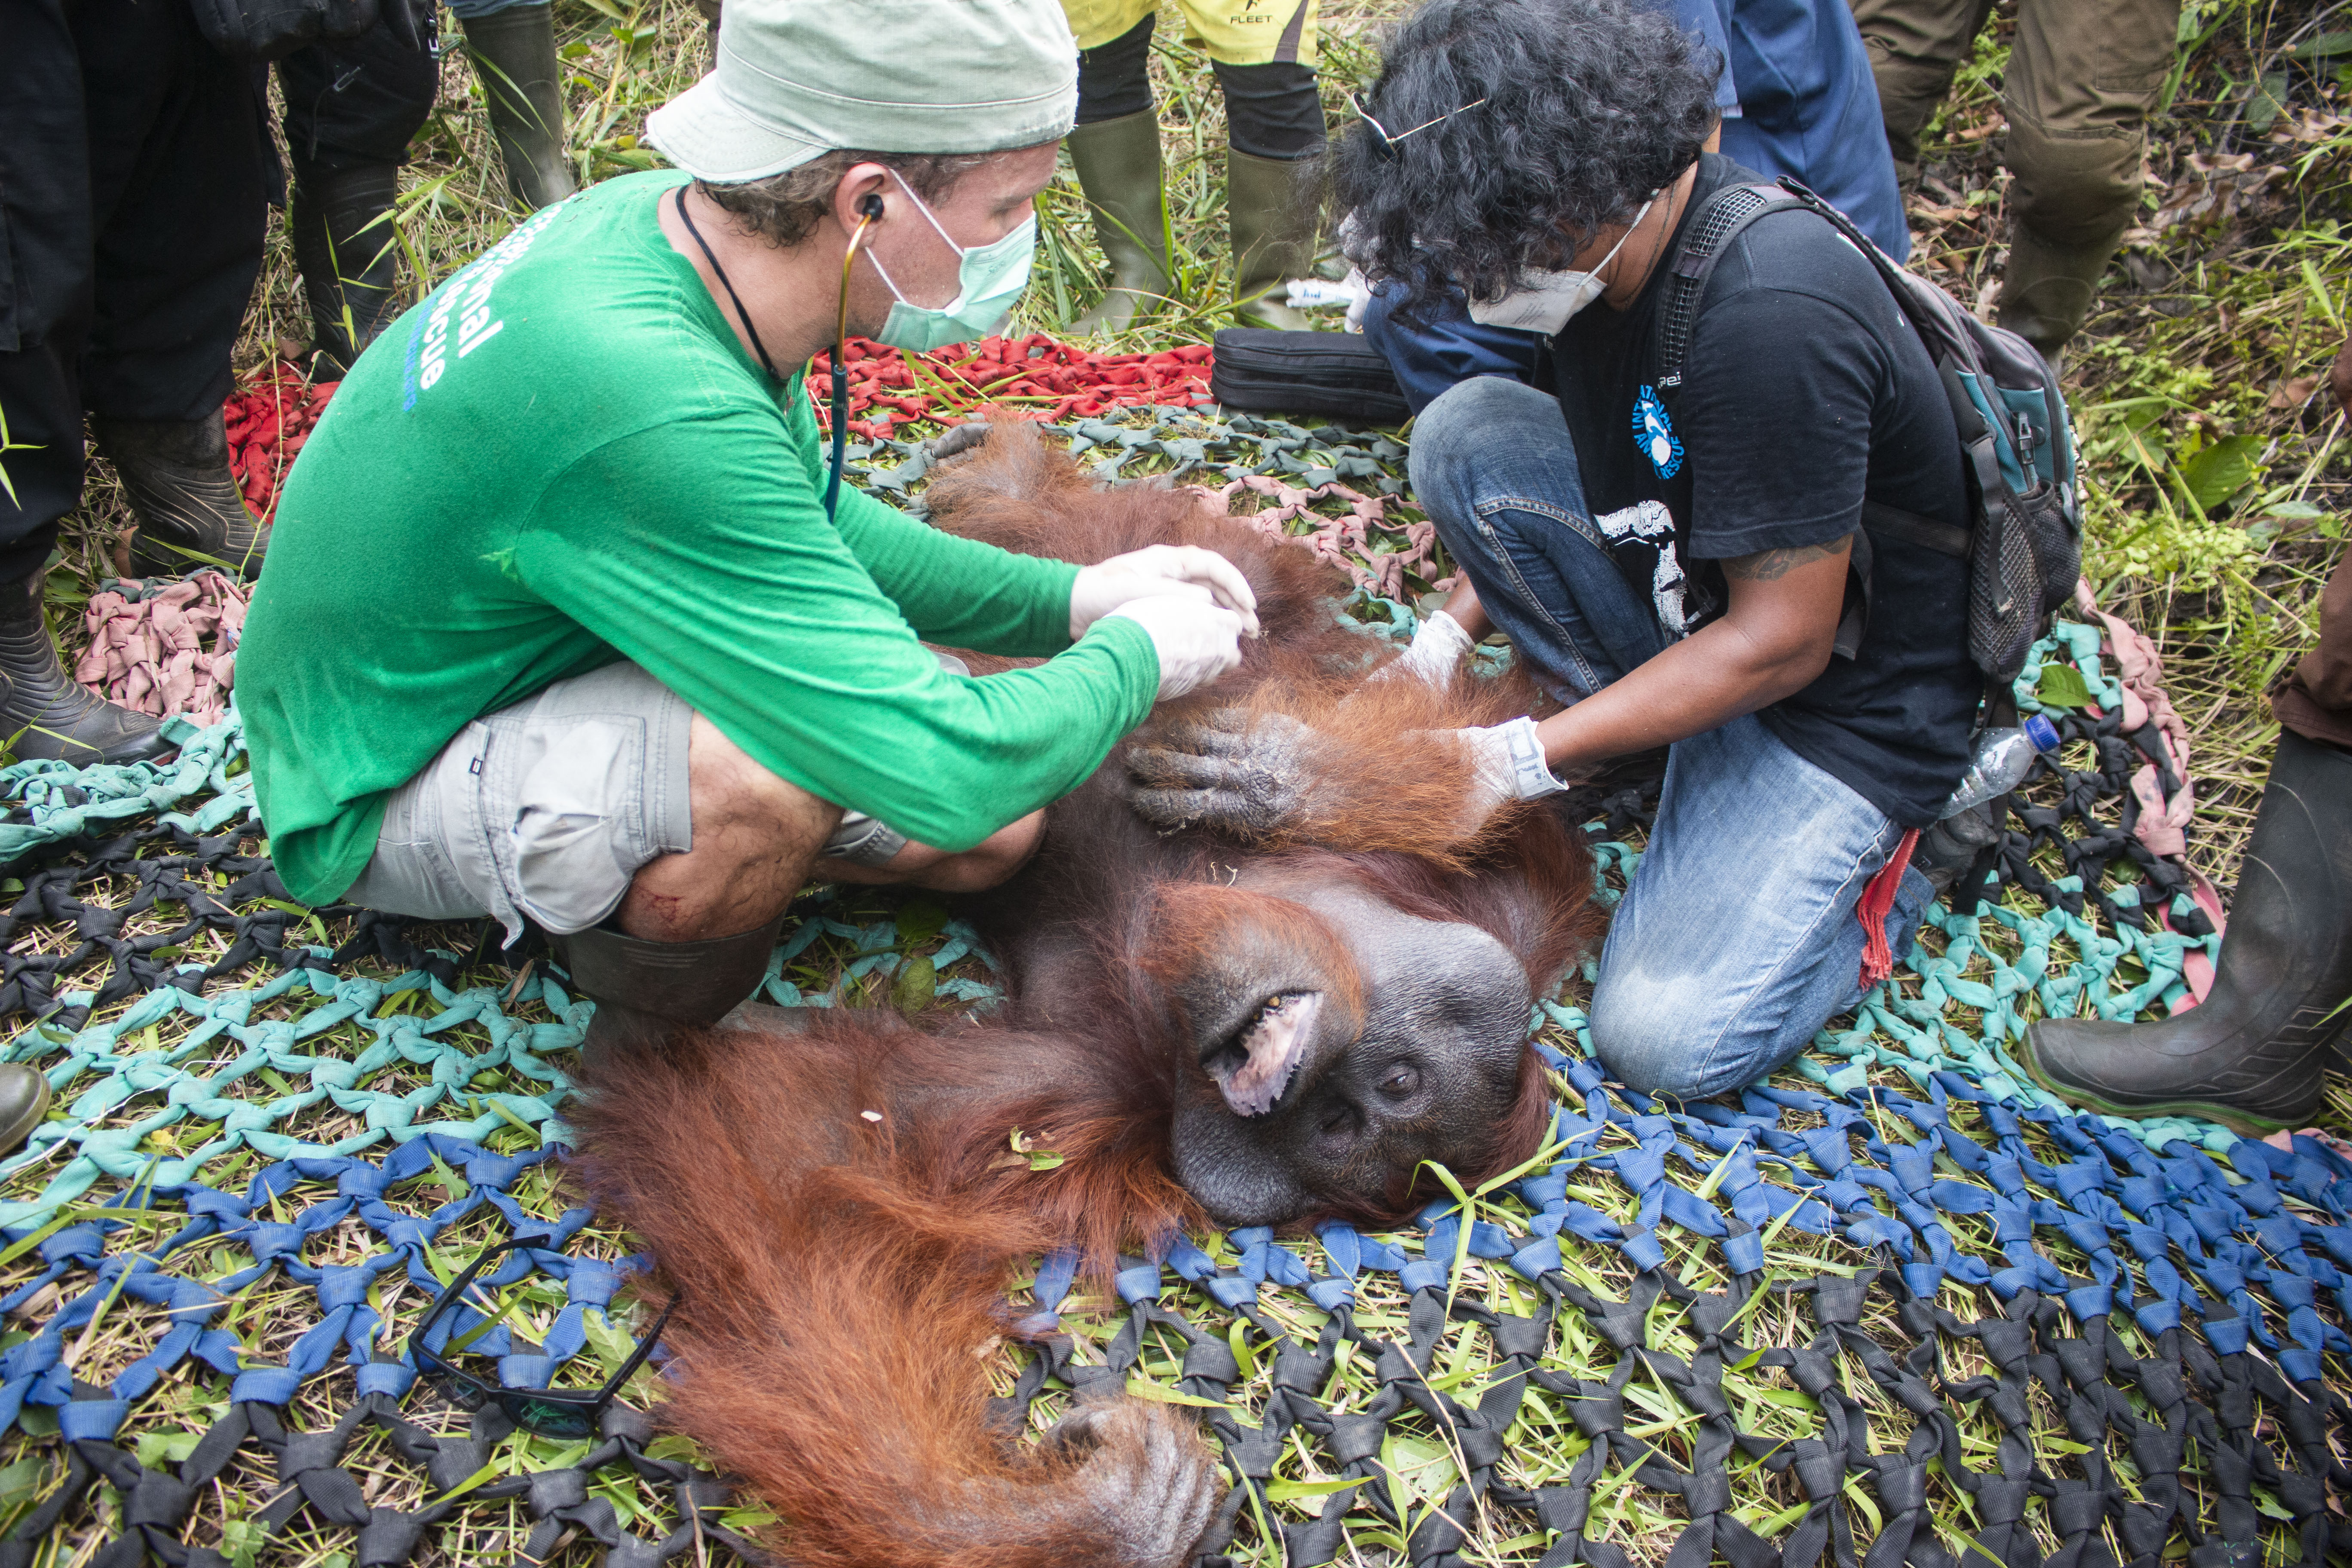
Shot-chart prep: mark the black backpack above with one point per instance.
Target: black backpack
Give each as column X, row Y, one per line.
column 2024, row 547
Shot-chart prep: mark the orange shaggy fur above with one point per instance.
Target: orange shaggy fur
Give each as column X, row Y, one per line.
column 839, row 1274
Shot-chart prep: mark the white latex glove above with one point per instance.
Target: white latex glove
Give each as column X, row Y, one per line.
column 1184, row 569
column 1359, row 299
column 1438, row 647
column 1510, row 764
column 1197, row 641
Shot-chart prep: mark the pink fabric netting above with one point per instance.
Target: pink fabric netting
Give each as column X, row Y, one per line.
column 173, row 652
column 2163, row 823
column 1345, row 541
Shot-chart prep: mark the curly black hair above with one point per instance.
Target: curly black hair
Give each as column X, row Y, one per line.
column 1590, row 105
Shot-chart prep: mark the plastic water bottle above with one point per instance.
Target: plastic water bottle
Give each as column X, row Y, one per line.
column 2000, row 761
column 1305, row 293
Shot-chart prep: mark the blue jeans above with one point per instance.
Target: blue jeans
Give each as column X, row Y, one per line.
column 1738, row 939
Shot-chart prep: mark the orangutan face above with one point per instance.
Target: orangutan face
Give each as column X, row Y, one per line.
column 1339, row 1042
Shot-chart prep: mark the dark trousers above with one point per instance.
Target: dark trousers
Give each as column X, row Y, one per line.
column 356, row 104
column 134, row 189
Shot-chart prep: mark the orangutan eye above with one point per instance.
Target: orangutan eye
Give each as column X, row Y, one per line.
column 1402, row 1083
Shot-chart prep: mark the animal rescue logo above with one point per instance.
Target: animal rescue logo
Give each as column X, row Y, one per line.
column 466, row 301
column 1654, row 434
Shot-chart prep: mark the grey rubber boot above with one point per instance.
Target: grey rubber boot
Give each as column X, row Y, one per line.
column 1118, row 162
column 24, row 1100
column 1274, row 238
column 49, row 714
column 2254, row 1055
column 191, row 513
column 350, row 257
column 514, row 55
column 644, row 990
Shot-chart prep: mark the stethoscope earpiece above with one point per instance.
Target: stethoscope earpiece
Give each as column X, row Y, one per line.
column 870, row 205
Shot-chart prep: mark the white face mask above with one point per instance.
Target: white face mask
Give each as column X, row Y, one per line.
column 1547, row 299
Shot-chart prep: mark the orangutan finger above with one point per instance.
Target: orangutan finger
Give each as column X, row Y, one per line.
column 1196, row 807
column 1181, row 769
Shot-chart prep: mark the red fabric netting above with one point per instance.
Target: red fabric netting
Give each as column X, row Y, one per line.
column 268, row 424
column 1033, row 378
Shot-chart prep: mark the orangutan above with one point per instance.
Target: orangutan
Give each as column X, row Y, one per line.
column 1279, row 1021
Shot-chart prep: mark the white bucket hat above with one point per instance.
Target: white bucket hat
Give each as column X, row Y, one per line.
column 798, row 77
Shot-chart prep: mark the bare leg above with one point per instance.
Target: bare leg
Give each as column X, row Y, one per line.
column 758, row 841
column 985, row 865
column 755, row 836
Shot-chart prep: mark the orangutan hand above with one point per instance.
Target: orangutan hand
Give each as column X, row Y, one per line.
column 1224, row 772
column 1153, row 1485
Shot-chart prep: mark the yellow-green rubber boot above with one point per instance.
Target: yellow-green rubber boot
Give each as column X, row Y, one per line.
column 514, row 55
column 1274, row 238
column 1118, row 162
column 2046, row 291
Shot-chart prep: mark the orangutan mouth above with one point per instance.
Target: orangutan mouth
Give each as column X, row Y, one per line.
column 1256, row 1065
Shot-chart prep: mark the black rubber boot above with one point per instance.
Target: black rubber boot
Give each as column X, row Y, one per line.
column 24, row 1100
column 643, row 990
column 350, row 257
column 191, row 513
column 49, row 714
column 2254, row 1055
column 514, row 55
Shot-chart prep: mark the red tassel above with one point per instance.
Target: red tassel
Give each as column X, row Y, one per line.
column 1877, row 961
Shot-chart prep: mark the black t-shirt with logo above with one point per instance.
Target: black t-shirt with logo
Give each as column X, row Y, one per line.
column 1804, row 391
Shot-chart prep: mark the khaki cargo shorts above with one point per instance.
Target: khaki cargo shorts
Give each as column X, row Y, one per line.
column 545, row 811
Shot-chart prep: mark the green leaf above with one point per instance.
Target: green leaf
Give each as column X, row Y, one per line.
column 921, row 919
column 1289, row 1491
column 2221, row 470
column 1159, row 1394
column 2062, row 686
column 2323, row 46
column 915, row 986
column 21, row 1478
column 2265, row 101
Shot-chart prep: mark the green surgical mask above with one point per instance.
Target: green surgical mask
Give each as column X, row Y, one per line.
column 990, row 278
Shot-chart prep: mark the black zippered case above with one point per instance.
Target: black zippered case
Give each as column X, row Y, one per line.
column 1339, row 375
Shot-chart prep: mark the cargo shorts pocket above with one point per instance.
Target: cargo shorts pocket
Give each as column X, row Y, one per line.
column 577, row 833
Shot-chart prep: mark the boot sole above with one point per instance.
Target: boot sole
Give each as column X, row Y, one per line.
column 16, row 1131
column 2244, row 1124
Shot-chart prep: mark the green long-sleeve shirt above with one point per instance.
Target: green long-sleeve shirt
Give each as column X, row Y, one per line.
column 563, row 458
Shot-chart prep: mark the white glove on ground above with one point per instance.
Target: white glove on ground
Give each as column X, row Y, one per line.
column 1439, row 645
column 1197, row 641
column 1184, row 569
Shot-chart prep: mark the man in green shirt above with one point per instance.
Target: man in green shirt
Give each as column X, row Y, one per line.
column 560, row 622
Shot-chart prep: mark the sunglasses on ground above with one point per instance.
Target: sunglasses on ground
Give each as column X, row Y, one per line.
column 550, row 1412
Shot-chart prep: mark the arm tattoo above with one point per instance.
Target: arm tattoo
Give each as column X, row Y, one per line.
column 1770, row 565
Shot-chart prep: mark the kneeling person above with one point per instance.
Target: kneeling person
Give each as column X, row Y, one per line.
column 564, row 626
column 1679, row 574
